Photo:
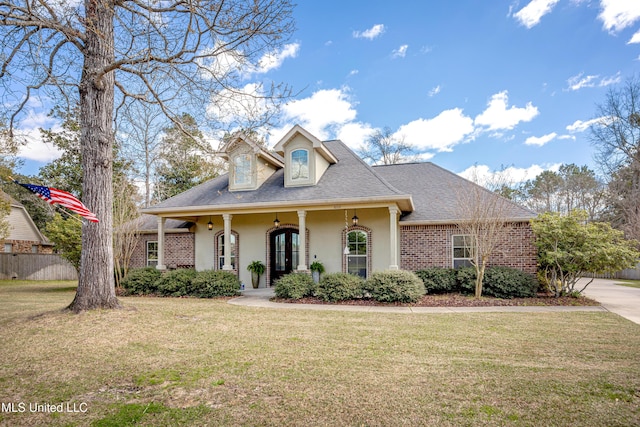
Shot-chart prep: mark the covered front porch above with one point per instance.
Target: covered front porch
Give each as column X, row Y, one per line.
column 355, row 238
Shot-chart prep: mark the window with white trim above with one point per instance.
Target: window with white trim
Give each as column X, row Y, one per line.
column 152, row 253
column 462, row 250
column 299, row 167
column 220, row 250
column 242, row 169
column 357, row 257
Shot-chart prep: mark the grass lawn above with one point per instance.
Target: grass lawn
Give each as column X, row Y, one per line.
column 205, row 362
column 629, row 283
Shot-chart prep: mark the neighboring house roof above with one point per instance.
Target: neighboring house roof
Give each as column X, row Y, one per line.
column 21, row 226
column 437, row 193
column 350, row 180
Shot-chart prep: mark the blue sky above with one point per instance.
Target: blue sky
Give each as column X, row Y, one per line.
column 492, row 83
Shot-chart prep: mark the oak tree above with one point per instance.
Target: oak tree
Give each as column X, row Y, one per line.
column 96, row 51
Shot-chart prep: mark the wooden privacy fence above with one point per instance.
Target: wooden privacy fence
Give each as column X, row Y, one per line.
column 629, row 274
column 35, row 267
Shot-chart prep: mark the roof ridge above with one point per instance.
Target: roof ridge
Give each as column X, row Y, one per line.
column 368, row 167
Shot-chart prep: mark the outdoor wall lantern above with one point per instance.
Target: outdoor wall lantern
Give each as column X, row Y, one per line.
column 276, row 222
column 210, row 224
column 355, row 218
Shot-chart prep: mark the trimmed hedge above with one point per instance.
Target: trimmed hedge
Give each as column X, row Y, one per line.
column 181, row 282
column 176, row 283
column 395, row 286
column 339, row 287
column 141, row 281
column 499, row 282
column 214, row 283
column 438, row 280
column 295, row 286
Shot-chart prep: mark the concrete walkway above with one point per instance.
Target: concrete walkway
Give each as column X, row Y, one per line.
column 621, row 300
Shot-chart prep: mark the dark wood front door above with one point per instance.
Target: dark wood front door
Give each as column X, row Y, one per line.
column 284, row 252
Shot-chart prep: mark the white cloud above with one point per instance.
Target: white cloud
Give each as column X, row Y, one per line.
column 578, row 82
column 273, row 60
column 581, row 126
column 635, row 38
column 531, row 14
column 29, row 132
column 542, row 140
column 354, row 134
column 400, row 52
column 371, row 33
column 323, row 109
column 440, row 133
column 244, row 103
column 617, row 15
column 606, row 81
column 510, row 175
column 436, row 90
column 498, row 117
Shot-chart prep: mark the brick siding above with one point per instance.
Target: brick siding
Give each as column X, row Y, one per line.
column 26, row 246
column 424, row 246
column 179, row 250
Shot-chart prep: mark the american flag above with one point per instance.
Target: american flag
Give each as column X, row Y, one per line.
column 63, row 198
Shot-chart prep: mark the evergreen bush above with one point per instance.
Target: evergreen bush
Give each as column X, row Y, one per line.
column 215, row 283
column 395, row 286
column 499, row 282
column 339, row 287
column 295, row 286
column 176, row 283
column 141, row 281
column 438, row 280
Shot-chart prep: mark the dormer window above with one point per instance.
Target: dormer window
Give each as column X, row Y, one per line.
column 242, row 170
column 300, row 165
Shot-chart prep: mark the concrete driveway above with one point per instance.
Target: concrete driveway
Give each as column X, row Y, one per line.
column 621, row 300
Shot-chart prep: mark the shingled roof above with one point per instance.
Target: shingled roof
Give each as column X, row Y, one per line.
column 426, row 192
column 350, row 180
column 437, row 192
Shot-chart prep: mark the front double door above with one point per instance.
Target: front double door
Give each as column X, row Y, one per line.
column 285, row 252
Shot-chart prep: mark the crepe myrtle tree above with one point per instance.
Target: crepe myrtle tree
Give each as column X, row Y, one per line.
column 101, row 54
column 570, row 248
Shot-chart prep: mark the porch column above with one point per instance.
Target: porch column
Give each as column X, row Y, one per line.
column 227, row 242
column 393, row 237
column 160, row 265
column 302, row 239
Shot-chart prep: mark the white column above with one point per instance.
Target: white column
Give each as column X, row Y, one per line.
column 160, row 265
column 393, row 237
column 227, row 242
column 302, row 239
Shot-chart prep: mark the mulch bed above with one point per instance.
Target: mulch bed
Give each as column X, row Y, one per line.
column 458, row 300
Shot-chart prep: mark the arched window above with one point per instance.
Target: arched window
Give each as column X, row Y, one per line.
column 299, row 165
column 357, row 251
column 220, row 248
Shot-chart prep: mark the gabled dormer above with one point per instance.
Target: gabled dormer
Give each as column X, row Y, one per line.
column 250, row 165
column 305, row 157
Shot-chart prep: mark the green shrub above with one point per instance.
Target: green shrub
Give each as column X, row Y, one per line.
column 395, row 286
column 339, row 287
column 176, row 283
column 499, row 282
column 141, row 281
column 213, row 283
column 295, row 286
column 466, row 280
column 438, row 280
column 506, row 282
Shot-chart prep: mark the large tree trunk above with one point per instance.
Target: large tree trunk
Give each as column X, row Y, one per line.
column 96, row 287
